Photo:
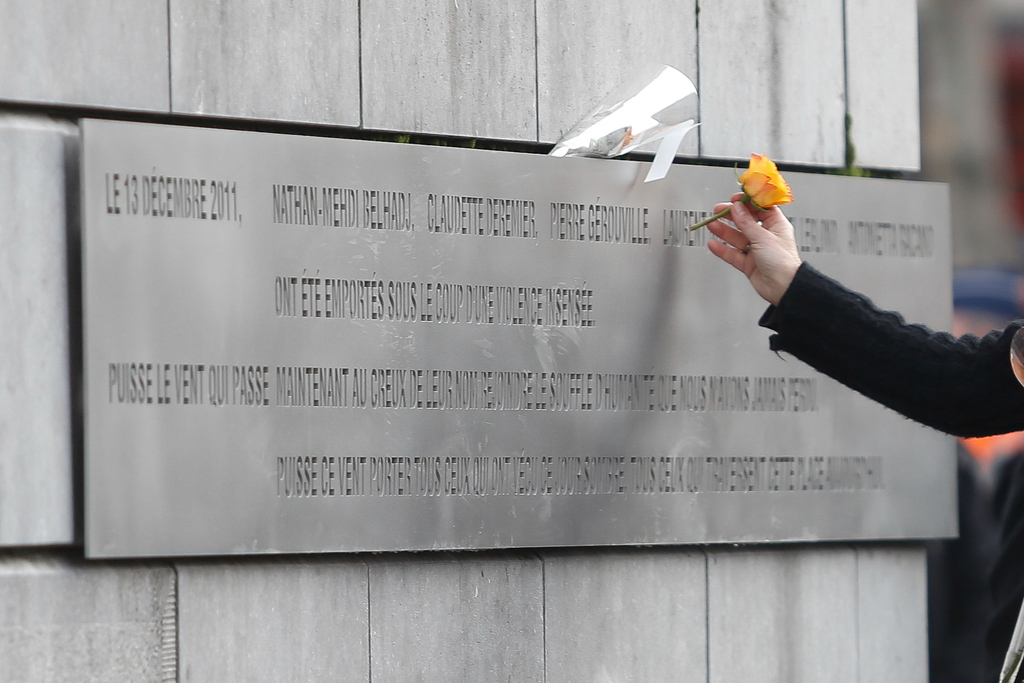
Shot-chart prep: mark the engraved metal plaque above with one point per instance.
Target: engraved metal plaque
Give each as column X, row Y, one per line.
column 298, row 344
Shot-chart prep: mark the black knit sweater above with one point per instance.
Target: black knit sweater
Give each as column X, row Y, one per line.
column 961, row 386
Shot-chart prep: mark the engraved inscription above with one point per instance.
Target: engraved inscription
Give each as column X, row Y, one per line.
column 312, row 476
column 302, row 386
column 188, row 384
column 878, row 238
column 407, row 347
column 676, row 228
column 488, row 216
column 172, row 197
column 338, row 207
column 600, row 223
column 313, row 296
column 816, row 235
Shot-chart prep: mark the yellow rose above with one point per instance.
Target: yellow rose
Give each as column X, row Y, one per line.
column 763, row 183
column 763, row 186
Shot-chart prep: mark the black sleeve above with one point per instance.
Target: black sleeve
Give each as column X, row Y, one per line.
column 961, row 386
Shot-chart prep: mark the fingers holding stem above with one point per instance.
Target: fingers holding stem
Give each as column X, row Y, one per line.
column 721, row 211
column 760, row 244
column 730, row 234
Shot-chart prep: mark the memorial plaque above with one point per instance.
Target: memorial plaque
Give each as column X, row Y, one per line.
column 300, row 344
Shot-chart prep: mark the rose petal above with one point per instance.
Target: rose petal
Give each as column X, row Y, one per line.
column 753, row 182
column 763, row 183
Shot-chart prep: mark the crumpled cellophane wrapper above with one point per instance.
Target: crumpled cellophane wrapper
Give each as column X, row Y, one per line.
column 657, row 103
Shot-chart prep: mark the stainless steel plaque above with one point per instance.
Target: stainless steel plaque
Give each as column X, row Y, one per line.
column 297, row 344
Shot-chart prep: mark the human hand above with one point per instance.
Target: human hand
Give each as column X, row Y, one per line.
column 761, row 246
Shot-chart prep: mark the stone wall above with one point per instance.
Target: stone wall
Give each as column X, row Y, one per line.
column 778, row 77
column 813, row 613
column 775, row 77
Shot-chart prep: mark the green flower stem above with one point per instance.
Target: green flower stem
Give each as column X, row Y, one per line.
column 720, row 214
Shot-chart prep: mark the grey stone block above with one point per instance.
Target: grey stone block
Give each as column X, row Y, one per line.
column 882, row 81
column 625, row 615
column 452, row 619
column 296, row 61
column 452, row 68
column 782, row 614
column 67, row 621
column 772, row 80
column 105, row 53
column 289, row 620
column 584, row 49
column 893, row 613
column 36, row 501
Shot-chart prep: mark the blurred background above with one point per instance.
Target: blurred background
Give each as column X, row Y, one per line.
column 972, row 123
column 972, row 137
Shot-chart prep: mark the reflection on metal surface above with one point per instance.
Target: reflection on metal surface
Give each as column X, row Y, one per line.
column 297, row 344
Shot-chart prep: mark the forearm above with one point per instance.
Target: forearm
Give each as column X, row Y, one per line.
column 960, row 386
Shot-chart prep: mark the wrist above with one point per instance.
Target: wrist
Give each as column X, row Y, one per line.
column 782, row 280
